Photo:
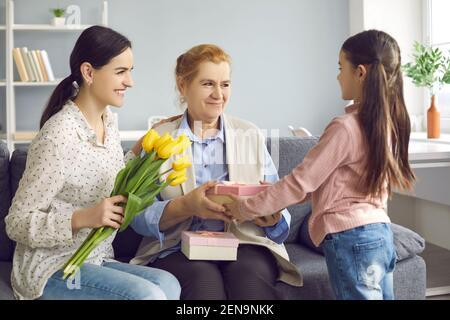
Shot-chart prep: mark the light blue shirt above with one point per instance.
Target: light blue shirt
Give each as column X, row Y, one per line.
column 209, row 160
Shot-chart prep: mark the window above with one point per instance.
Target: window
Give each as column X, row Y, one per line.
column 437, row 26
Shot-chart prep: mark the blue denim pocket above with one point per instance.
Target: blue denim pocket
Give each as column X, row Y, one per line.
column 372, row 261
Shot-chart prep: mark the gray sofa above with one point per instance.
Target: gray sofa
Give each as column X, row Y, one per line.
column 409, row 275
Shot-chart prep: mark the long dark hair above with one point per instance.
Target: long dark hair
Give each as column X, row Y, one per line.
column 382, row 112
column 96, row 45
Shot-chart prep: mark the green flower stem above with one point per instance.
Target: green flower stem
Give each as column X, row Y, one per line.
column 100, row 235
column 90, row 239
column 153, row 167
column 70, row 261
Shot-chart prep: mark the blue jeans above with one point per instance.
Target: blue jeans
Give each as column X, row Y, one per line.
column 361, row 262
column 113, row 281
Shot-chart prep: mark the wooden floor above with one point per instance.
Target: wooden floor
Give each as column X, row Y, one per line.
column 437, row 260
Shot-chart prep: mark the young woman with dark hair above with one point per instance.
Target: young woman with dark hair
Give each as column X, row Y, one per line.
column 64, row 192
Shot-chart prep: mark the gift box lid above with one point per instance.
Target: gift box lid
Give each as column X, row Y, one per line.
column 237, row 189
column 209, row 238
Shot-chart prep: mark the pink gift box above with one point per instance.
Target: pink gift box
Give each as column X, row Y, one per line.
column 208, row 245
column 237, row 189
column 209, row 238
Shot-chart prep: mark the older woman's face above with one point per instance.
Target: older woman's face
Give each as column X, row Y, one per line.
column 208, row 92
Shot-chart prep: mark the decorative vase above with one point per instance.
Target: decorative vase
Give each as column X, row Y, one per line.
column 433, row 120
column 59, row 21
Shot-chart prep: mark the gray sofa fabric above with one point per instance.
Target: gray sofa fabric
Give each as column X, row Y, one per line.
column 5, row 202
column 287, row 153
column 409, row 275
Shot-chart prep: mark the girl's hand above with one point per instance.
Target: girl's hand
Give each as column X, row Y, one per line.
column 107, row 213
column 233, row 208
column 197, row 203
column 267, row 221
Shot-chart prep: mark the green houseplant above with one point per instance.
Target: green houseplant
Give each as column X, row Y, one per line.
column 58, row 16
column 430, row 69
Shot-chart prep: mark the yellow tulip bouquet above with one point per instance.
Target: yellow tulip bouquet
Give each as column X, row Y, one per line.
column 140, row 181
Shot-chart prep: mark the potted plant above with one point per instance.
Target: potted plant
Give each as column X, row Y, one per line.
column 58, row 19
column 430, row 69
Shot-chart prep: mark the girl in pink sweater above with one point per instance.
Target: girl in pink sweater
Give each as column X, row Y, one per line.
column 349, row 174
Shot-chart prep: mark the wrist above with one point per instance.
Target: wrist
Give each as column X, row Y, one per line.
column 182, row 204
column 78, row 220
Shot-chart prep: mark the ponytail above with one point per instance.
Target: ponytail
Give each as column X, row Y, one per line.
column 382, row 112
column 63, row 92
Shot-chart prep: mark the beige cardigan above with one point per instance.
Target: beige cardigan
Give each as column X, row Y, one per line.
column 245, row 157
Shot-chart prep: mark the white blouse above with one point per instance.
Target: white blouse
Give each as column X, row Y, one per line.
column 66, row 169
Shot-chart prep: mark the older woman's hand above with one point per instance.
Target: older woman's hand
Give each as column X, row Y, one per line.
column 268, row 221
column 197, row 203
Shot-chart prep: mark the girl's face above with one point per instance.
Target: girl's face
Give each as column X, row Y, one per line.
column 350, row 78
column 110, row 81
column 207, row 94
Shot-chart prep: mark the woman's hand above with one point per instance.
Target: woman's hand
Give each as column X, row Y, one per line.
column 197, row 203
column 137, row 148
column 107, row 213
column 268, row 221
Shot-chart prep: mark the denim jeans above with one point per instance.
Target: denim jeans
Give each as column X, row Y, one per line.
column 113, row 281
column 361, row 262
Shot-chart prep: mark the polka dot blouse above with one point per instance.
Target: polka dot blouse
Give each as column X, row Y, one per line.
column 66, row 170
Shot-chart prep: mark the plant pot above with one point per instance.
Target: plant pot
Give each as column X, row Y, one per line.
column 59, row 21
column 433, row 120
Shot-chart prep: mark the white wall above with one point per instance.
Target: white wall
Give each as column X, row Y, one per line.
column 284, row 55
column 402, row 19
column 429, row 212
column 429, row 219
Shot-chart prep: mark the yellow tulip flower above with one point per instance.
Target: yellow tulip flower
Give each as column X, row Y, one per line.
column 165, row 138
column 181, row 163
column 166, row 150
column 176, row 177
column 183, row 143
column 149, row 140
column 178, row 181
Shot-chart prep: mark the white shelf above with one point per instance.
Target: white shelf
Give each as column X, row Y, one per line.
column 11, row 135
column 27, row 136
column 422, row 137
column 48, row 27
column 36, row 84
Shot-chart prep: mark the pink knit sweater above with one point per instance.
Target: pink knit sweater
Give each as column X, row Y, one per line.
column 330, row 173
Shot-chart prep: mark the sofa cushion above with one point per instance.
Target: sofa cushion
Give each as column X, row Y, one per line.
column 17, row 167
column 407, row 243
column 6, row 292
column 287, row 153
column 5, row 201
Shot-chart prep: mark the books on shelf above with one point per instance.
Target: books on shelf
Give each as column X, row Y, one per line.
column 33, row 65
